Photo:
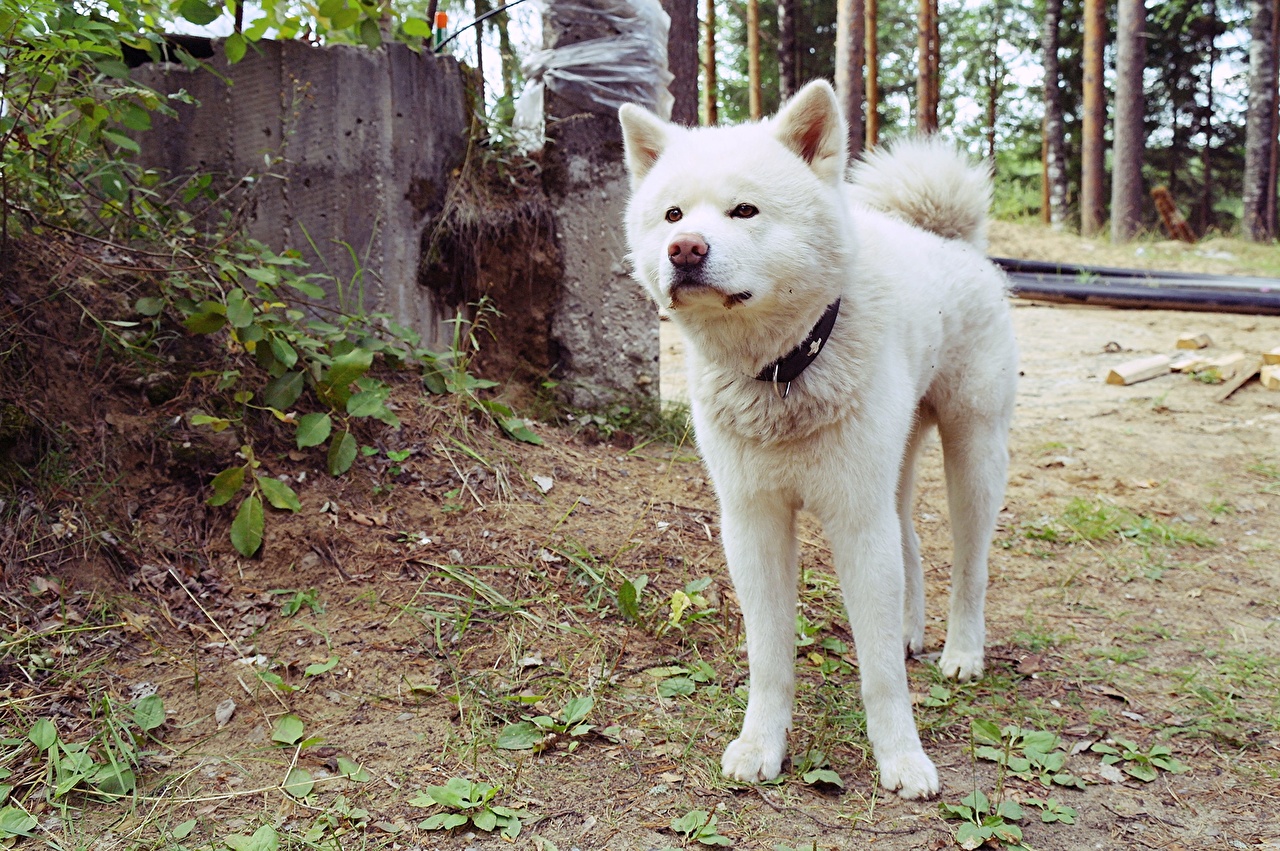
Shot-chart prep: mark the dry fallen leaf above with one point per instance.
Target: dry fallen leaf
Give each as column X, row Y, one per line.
column 223, row 712
column 544, row 483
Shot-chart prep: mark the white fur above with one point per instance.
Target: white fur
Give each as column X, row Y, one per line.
column 923, row 339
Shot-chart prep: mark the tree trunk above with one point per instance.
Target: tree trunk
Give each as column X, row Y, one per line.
column 1129, row 136
column 481, row 7
column 994, row 84
column 682, row 60
column 753, row 59
column 1204, row 210
column 788, row 72
column 1055, row 161
column 1272, row 225
column 1259, row 128
column 1095, row 116
column 927, row 67
column 710, row 101
column 873, row 73
column 850, row 44
column 510, row 69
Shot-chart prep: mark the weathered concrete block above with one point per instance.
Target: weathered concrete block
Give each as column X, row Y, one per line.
column 353, row 148
column 605, row 327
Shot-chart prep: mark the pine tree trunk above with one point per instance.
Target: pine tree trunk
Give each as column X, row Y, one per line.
column 994, row 82
column 753, row 59
column 1095, row 116
column 1204, row 210
column 510, row 69
column 873, row 73
column 1055, row 161
column 710, row 101
column 1259, row 127
column 1129, row 136
column 850, row 45
column 788, row 73
column 682, row 60
column 927, row 67
column 1272, row 226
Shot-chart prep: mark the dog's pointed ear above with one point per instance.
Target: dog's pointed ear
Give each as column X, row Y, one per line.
column 644, row 135
column 811, row 125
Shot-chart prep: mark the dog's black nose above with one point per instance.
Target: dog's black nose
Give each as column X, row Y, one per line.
column 687, row 251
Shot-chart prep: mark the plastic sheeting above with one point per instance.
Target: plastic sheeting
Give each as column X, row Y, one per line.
column 601, row 74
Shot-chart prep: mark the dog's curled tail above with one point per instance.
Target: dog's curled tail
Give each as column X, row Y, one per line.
column 928, row 182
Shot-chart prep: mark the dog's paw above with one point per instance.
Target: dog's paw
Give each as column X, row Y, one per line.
column 913, row 640
column 911, row 775
column 959, row 665
column 753, row 758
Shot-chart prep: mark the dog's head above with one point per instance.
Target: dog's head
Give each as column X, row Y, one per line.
column 737, row 217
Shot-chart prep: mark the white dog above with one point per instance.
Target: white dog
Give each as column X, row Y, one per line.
column 829, row 325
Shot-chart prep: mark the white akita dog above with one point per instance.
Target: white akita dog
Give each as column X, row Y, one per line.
column 829, row 325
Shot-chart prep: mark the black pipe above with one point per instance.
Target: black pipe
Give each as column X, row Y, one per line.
column 1137, row 288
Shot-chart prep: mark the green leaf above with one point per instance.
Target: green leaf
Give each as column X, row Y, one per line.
column 114, row 780
column 1141, row 770
column 235, row 47
column 284, row 352
column 121, row 141
column 247, row 528
column 280, row 393
column 342, row 453
column 985, row 731
column 264, row 838
column 239, row 309
column 205, row 321
column 434, row 382
column 347, row 368
column 1009, row 810
column 369, row 33
column 15, row 822
column 279, row 494
column 299, row 783
column 329, row 8
column 629, row 597
column 486, row 820
column 518, row 429
column 575, row 710
column 288, row 729
column 226, row 485
column 366, row 403
column 971, row 836
column 183, row 830
column 520, row 736
column 148, row 713
column 319, row 668
column 676, row 687
column 43, row 734
column 149, row 306
column 691, row 822
column 416, row 27
column 352, row 771
column 444, row 821
column 313, row 430
column 199, row 12
column 823, row 775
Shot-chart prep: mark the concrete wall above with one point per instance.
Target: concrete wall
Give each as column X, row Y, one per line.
column 352, row 147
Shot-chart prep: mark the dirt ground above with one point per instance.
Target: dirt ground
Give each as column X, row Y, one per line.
column 1135, row 594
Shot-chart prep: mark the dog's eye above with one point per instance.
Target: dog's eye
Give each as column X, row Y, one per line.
column 674, row 215
column 744, row 211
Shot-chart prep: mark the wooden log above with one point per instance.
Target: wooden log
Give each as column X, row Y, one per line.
column 1189, row 363
column 1227, row 366
column 1269, row 376
column 1247, row 369
column 1141, row 369
column 1271, row 357
column 1194, row 341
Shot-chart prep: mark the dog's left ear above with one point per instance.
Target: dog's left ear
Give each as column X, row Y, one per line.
column 811, row 125
column 644, row 135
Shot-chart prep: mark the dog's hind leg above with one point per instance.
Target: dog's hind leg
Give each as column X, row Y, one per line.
column 760, row 547
column 975, row 458
column 913, row 569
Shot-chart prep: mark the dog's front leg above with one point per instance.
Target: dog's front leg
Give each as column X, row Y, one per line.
column 760, row 546
column 868, row 557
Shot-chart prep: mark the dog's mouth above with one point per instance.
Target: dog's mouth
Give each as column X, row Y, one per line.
column 686, row 292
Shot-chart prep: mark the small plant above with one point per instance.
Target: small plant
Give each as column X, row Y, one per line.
column 1052, row 810
column 814, row 768
column 1137, row 763
column 985, row 823
column 699, row 826
column 689, row 605
column 298, row 600
column 1033, row 755
column 541, row 732
column 681, row 680
column 468, row 801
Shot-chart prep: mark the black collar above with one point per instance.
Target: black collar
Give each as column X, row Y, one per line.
column 788, row 367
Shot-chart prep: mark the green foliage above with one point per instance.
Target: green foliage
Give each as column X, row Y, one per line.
column 985, row 822
column 539, row 732
column 467, row 801
column 1026, row 754
column 1134, row 761
column 1099, row 520
column 700, row 826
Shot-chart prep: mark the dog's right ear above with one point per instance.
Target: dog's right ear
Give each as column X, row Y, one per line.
column 644, row 135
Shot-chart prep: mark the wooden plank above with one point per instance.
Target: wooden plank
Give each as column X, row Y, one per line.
column 1141, row 369
column 1269, row 376
column 1271, row 357
column 1228, row 366
column 1194, row 341
column 1248, row 369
